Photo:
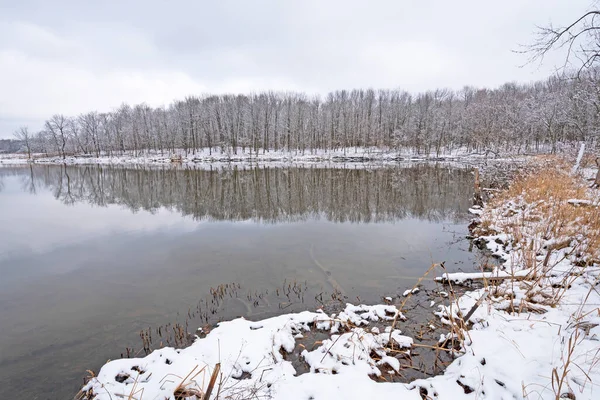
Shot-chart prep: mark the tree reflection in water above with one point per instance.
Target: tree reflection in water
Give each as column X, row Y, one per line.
column 426, row 191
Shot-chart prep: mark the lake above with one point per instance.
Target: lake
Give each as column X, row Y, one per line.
column 91, row 255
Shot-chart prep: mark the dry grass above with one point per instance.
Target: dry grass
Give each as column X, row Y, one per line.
column 537, row 214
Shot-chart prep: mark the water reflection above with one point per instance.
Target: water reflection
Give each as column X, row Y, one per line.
column 124, row 249
column 431, row 192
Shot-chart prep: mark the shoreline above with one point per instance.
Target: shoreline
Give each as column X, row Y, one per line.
column 524, row 332
column 203, row 158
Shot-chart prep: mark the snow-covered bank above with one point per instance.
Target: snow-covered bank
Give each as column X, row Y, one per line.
column 539, row 322
column 252, row 360
column 531, row 330
column 245, row 156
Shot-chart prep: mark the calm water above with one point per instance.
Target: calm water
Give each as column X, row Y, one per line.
column 91, row 255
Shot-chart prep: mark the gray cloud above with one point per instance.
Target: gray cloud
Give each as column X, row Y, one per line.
column 72, row 56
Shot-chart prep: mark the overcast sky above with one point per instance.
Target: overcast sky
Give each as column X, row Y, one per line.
column 71, row 56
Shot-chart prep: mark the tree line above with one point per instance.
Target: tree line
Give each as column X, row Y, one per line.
column 539, row 116
column 9, row 146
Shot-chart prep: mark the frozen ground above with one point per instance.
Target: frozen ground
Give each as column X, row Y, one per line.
column 530, row 331
column 245, row 156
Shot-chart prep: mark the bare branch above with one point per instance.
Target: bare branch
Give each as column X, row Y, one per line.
column 581, row 37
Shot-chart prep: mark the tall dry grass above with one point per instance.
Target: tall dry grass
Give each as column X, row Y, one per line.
column 537, row 211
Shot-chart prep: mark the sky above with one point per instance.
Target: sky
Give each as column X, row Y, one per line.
column 69, row 57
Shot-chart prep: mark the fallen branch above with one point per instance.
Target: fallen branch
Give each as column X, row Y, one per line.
column 475, row 306
column 459, row 278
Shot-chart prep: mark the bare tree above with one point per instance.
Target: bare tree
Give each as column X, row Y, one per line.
column 58, row 128
column 24, row 135
column 580, row 38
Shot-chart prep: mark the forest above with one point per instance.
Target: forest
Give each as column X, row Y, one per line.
column 513, row 118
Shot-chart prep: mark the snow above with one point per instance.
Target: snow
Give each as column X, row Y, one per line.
column 203, row 158
column 475, row 211
column 522, row 349
column 411, row 291
column 580, row 202
column 469, row 277
column 391, row 361
column 351, row 351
